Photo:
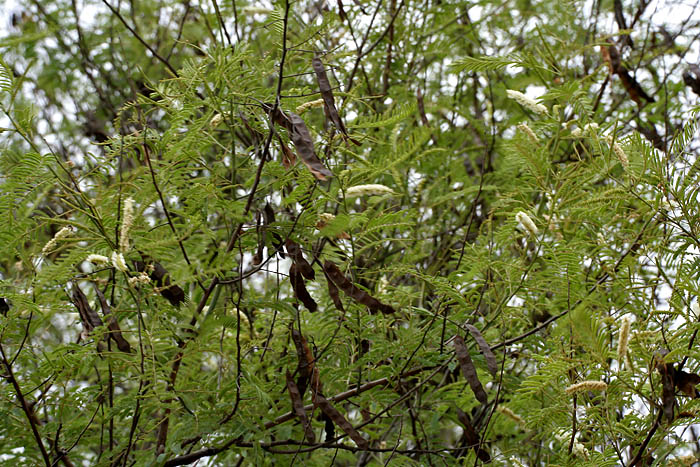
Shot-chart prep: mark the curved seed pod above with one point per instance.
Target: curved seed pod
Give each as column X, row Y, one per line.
column 115, row 332
column 491, row 362
column 299, row 287
column 160, row 276
column 468, row 369
column 301, row 138
column 298, row 406
column 306, row 367
column 302, row 265
column 668, row 391
column 333, row 293
column 360, row 296
column 327, row 94
column 341, row 421
column 269, row 218
column 88, row 316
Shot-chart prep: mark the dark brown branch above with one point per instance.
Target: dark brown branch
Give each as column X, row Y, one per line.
column 28, row 410
column 645, row 443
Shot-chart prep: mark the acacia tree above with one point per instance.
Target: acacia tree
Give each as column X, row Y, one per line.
column 348, row 232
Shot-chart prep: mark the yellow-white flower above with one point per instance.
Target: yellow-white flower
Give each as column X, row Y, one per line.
column 510, row 414
column 61, row 234
column 619, row 152
column 326, row 217
column 591, row 127
column 527, row 223
column 362, row 190
column 600, row 239
column 216, row 120
column 118, row 261
column 587, row 386
column 127, row 222
column 142, row 278
column 97, row 259
column 526, row 102
column 579, row 450
column 309, row 105
column 528, row 131
column 563, row 436
column 623, row 338
column 687, row 460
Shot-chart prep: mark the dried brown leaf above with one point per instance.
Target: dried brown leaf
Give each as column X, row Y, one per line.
column 341, row 421
column 115, row 332
column 302, row 265
column 491, row 362
column 360, row 296
column 299, row 287
column 468, row 369
column 298, row 406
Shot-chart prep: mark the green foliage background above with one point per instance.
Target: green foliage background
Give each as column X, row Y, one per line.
column 172, row 104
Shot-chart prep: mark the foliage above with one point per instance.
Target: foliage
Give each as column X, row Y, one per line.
column 325, row 233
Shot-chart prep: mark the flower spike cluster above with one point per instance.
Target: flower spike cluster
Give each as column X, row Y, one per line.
column 362, row 190
column 623, row 339
column 587, row 386
column 526, row 102
column 526, row 222
column 127, row 222
column 60, row 235
column 118, row 261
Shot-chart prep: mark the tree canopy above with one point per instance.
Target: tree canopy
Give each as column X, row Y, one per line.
column 349, row 232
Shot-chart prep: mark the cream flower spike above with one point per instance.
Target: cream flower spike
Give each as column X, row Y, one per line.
column 526, row 222
column 526, row 102
column 587, row 386
column 61, row 234
column 118, row 261
column 97, row 259
column 127, row 223
column 362, row 190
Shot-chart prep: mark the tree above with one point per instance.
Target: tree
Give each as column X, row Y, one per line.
column 348, row 232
